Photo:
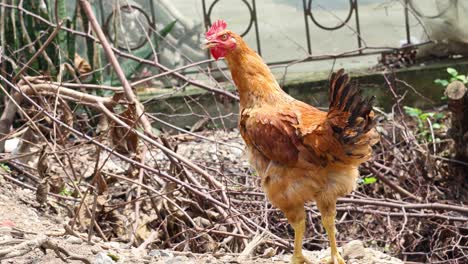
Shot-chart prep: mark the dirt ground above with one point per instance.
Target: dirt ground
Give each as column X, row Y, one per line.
column 22, row 220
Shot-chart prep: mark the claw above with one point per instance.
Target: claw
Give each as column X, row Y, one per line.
column 337, row 259
column 300, row 260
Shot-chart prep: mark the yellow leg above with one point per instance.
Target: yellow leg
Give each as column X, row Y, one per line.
column 328, row 211
column 299, row 229
column 328, row 222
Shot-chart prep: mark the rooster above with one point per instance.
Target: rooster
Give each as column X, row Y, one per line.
column 301, row 153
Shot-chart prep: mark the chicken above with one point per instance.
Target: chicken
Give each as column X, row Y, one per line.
column 301, row 153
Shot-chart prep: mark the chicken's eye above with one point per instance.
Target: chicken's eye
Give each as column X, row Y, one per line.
column 224, row 37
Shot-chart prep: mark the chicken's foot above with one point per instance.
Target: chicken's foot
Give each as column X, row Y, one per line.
column 328, row 221
column 299, row 229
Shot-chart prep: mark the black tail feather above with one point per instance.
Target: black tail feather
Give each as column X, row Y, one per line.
column 346, row 97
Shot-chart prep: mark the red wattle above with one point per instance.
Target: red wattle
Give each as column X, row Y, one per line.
column 217, row 52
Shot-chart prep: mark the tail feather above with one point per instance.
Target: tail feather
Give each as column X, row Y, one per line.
column 346, row 102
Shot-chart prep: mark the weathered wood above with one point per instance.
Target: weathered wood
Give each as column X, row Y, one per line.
column 456, row 92
column 7, row 118
column 457, row 95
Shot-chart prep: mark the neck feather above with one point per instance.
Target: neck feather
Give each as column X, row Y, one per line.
column 254, row 80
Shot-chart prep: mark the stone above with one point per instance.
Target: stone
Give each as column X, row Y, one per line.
column 96, row 239
column 269, row 252
column 102, row 258
column 157, row 253
column 113, row 244
column 210, row 259
column 179, row 260
column 237, row 152
column 354, row 250
column 95, row 249
column 74, row 240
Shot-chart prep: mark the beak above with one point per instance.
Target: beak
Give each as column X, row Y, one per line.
column 208, row 44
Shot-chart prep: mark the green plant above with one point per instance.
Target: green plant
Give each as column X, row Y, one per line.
column 454, row 75
column 65, row 192
column 369, row 180
column 5, row 167
column 25, row 34
column 113, row 256
column 425, row 120
column 131, row 67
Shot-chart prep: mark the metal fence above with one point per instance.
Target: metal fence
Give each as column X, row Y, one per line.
column 310, row 20
column 150, row 17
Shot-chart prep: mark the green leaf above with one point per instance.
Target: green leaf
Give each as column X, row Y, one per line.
column 425, row 116
column 167, row 29
column 164, row 32
column 452, row 72
column 438, row 116
column 5, row 167
column 71, row 38
column 369, row 180
column 65, row 192
column 444, row 83
column 90, row 52
column 462, row 78
column 113, row 256
column 131, row 67
column 62, row 35
column 436, row 126
column 412, row 111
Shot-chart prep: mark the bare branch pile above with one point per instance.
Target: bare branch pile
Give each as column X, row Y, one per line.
column 94, row 150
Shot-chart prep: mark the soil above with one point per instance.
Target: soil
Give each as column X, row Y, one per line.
column 22, row 219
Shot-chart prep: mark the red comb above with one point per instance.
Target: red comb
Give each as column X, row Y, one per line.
column 216, row 27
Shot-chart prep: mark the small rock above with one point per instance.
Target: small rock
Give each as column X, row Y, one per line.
column 212, row 149
column 74, row 240
column 7, row 223
column 160, row 253
column 96, row 249
column 227, row 259
column 112, row 244
column 96, row 239
column 179, row 260
column 5, row 231
column 102, row 258
column 354, row 250
column 210, row 259
column 220, row 253
column 269, row 252
column 136, row 252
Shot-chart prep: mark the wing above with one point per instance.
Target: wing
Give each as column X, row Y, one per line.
column 275, row 133
column 300, row 135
